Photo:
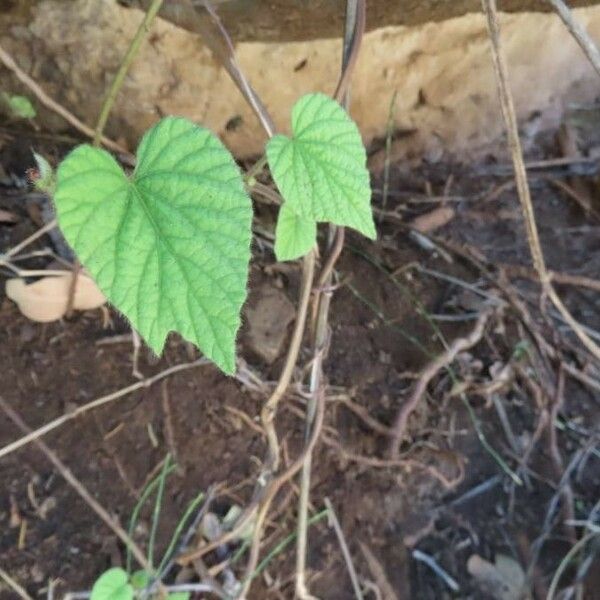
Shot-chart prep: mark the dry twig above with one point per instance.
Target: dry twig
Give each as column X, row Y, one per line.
column 28, row 240
column 582, row 37
column 560, row 278
column 54, row 106
column 557, row 460
column 582, row 377
column 345, row 550
column 270, row 407
column 435, row 366
column 363, row 414
column 379, row 574
column 34, row 435
column 216, row 38
column 510, row 118
column 79, row 488
column 577, row 458
column 356, row 16
column 14, row 586
column 75, row 272
column 169, row 429
column 274, row 487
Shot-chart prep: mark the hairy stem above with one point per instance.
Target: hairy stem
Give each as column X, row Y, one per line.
column 269, row 410
column 353, row 34
column 323, row 298
column 117, row 83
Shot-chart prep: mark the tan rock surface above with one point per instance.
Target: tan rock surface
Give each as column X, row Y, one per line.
column 294, row 20
column 441, row 71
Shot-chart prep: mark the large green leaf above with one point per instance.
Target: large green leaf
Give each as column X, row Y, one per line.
column 112, row 585
column 321, row 171
column 294, row 235
column 169, row 246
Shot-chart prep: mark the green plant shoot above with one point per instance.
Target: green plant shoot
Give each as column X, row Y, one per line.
column 20, row 107
column 321, row 172
column 170, row 245
column 113, row 585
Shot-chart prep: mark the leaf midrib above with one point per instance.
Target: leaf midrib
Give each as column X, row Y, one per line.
column 162, row 239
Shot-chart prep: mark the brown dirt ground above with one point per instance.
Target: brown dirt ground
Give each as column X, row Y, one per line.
column 45, row 370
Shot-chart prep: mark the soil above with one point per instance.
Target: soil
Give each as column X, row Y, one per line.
column 450, row 500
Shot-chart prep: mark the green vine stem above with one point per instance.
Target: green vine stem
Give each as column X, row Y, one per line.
column 353, row 34
column 269, row 409
column 117, row 83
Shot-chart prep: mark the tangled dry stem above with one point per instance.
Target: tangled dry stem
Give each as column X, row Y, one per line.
column 510, row 119
column 429, row 372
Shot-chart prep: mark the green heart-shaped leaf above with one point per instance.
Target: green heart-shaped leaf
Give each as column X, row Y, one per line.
column 112, row 585
column 170, row 246
column 294, row 235
column 321, row 171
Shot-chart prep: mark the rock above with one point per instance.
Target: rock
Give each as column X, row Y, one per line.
column 268, row 321
column 46, row 300
column 503, row 580
column 290, row 20
column 442, row 71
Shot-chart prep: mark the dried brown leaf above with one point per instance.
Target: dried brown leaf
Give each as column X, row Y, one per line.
column 433, row 220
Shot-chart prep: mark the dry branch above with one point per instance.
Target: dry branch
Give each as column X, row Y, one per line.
column 431, row 370
column 79, row 488
column 54, row 106
column 270, row 494
column 582, row 37
column 345, row 550
column 35, row 435
column 510, row 118
column 14, row 585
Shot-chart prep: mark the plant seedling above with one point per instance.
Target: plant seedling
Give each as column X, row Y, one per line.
column 20, row 107
column 169, row 246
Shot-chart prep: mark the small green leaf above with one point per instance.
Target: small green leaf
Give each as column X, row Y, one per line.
column 47, row 180
column 112, row 585
column 140, row 579
column 20, row 106
column 179, row 596
column 170, row 245
column 294, row 235
column 322, row 170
